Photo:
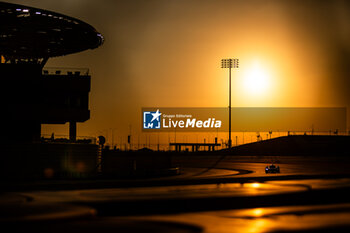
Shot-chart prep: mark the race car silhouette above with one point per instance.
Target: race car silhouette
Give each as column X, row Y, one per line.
column 272, row 169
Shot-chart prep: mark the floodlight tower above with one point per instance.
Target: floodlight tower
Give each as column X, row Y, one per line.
column 229, row 63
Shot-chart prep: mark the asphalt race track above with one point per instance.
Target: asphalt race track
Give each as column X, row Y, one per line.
column 211, row 194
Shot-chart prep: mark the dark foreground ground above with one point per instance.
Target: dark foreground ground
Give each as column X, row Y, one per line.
column 213, row 193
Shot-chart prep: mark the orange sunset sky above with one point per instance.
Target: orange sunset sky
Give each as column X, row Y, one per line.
column 167, row 53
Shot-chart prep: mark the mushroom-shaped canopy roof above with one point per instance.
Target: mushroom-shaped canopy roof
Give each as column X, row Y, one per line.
column 27, row 32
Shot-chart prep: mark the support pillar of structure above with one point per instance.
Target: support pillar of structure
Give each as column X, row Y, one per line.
column 72, row 131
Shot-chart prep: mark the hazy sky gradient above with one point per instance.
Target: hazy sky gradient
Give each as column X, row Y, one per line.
column 167, row 53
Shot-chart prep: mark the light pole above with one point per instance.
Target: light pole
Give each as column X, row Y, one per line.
column 229, row 63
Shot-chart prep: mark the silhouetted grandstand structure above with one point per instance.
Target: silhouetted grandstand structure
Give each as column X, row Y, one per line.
column 32, row 95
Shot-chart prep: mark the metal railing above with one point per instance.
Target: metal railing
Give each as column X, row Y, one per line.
column 65, row 138
column 65, row 71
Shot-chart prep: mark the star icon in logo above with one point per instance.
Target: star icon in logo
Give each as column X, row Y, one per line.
column 156, row 115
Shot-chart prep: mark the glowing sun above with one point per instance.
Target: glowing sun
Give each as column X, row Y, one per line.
column 256, row 80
